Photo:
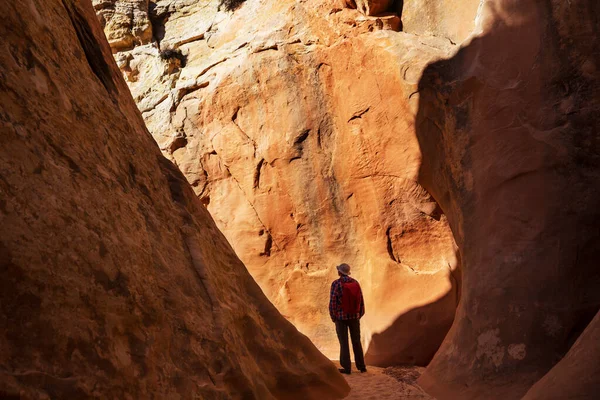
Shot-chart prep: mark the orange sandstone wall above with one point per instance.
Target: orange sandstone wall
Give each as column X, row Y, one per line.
column 115, row 281
column 294, row 123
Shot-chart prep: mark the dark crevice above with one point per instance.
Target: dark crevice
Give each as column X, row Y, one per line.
column 91, row 48
column 359, row 114
column 437, row 212
column 132, row 174
column 390, row 247
column 187, row 90
column 456, row 284
column 399, row 8
column 268, row 246
column 302, row 137
column 158, row 21
column 319, row 137
column 257, row 173
column 178, row 143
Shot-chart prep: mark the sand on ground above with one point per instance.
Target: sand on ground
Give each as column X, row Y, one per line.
column 392, row 383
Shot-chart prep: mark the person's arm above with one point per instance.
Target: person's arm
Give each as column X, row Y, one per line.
column 333, row 300
column 362, row 303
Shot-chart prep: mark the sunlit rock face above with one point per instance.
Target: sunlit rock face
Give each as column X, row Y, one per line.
column 508, row 129
column 452, row 20
column 294, row 123
column 115, row 281
column 126, row 22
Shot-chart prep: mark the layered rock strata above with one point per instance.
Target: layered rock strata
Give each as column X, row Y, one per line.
column 126, row 22
column 294, row 123
column 511, row 151
column 116, row 283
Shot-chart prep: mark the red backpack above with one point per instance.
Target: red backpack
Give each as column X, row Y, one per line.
column 351, row 297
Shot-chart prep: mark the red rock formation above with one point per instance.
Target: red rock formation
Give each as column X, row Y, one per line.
column 295, row 126
column 115, row 282
column 509, row 133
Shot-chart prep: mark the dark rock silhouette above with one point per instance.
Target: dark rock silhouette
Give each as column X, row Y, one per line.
column 577, row 375
column 511, row 151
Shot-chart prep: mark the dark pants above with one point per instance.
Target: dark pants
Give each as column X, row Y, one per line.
column 342, row 327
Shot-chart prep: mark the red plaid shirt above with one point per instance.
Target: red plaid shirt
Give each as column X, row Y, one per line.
column 335, row 301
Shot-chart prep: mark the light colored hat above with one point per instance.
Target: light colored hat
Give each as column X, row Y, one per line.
column 343, row 269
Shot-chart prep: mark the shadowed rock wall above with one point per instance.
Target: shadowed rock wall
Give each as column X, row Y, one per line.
column 577, row 375
column 511, row 151
column 115, row 281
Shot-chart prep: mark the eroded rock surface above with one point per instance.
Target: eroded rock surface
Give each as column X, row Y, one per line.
column 294, row 123
column 115, row 281
column 511, row 150
column 126, row 22
column 450, row 19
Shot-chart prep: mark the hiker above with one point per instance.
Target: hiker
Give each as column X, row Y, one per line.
column 346, row 307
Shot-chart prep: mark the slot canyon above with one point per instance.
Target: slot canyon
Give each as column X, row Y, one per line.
column 180, row 178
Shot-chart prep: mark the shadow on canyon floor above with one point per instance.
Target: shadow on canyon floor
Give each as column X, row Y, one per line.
column 421, row 331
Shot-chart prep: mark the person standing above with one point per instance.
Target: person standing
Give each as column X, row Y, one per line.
column 346, row 307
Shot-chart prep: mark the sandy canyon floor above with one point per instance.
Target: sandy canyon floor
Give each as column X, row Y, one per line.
column 393, row 383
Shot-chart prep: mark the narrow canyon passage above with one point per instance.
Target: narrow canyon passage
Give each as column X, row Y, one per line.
column 179, row 179
column 294, row 123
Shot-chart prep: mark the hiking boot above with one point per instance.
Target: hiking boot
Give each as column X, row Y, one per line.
column 344, row 371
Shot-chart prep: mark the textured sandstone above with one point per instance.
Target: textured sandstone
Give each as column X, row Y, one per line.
column 126, row 22
column 509, row 133
column 296, row 129
column 115, row 281
column 450, row 19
